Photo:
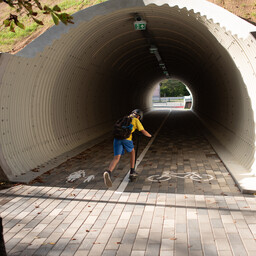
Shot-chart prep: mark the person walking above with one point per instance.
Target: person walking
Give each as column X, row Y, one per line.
column 120, row 145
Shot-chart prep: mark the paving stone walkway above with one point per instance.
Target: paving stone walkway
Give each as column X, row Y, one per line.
column 184, row 202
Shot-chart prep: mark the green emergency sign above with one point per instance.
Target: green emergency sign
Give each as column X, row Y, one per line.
column 140, row 25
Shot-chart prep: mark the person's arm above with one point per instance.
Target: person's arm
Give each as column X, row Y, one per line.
column 140, row 128
column 144, row 132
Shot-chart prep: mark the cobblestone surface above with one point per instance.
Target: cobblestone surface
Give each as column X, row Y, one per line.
column 184, row 202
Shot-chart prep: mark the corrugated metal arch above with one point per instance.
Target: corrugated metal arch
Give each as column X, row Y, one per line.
column 57, row 93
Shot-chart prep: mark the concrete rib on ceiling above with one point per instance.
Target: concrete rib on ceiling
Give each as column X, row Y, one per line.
column 69, row 85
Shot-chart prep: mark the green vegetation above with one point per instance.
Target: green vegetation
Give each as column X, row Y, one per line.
column 65, row 5
column 32, row 8
column 9, row 37
column 11, row 40
column 173, row 88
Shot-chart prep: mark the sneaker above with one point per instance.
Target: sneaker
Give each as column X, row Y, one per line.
column 107, row 179
column 134, row 174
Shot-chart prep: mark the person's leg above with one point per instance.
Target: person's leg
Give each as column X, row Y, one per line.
column 114, row 162
column 118, row 151
column 130, row 148
column 132, row 164
column 107, row 173
column 132, row 159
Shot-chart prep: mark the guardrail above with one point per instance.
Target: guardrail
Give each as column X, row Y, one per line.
column 172, row 102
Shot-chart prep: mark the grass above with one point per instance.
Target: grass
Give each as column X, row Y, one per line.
column 19, row 32
column 68, row 4
column 78, row 5
column 74, row 6
column 8, row 39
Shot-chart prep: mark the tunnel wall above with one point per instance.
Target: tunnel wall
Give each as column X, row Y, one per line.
column 67, row 87
column 232, row 97
column 42, row 119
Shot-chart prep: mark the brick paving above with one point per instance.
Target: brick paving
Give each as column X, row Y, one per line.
column 161, row 215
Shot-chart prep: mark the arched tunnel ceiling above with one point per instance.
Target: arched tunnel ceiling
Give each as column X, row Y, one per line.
column 79, row 74
column 182, row 37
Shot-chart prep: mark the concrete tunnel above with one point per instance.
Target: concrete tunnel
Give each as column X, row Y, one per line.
column 64, row 91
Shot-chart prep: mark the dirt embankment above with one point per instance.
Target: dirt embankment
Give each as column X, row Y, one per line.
column 245, row 9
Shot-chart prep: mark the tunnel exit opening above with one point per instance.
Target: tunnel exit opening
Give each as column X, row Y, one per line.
column 172, row 93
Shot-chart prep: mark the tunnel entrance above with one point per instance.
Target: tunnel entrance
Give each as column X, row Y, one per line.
column 66, row 88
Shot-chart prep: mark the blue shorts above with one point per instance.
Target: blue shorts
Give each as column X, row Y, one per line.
column 121, row 145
